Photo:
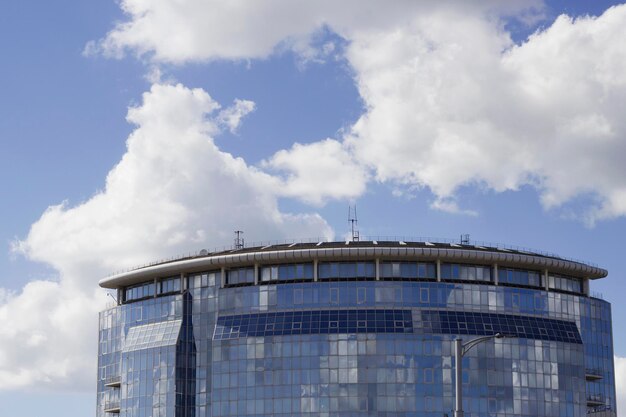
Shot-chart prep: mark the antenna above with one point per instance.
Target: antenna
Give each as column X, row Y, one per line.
column 465, row 239
column 353, row 223
column 239, row 242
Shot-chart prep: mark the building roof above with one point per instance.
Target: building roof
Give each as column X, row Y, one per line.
column 388, row 249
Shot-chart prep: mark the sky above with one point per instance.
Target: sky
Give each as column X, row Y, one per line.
column 132, row 131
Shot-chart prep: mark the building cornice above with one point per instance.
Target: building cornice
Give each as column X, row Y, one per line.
column 245, row 257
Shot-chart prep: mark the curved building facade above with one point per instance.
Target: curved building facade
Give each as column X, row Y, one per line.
column 356, row 329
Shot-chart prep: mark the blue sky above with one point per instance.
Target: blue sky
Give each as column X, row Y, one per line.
column 434, row 120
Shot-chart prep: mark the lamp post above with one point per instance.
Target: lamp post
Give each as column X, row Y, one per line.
column 460, row 350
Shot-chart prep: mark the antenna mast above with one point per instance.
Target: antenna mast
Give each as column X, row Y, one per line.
column 239, row 242
column 352, row 219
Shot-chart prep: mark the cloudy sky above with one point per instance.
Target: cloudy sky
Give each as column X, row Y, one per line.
column 131, row 131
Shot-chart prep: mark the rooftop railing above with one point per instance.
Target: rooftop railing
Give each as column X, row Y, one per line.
column 601, row 411
column 595, row 400
column 593, row 374
column 597, row 294
column 112, row 407
column 113, row 381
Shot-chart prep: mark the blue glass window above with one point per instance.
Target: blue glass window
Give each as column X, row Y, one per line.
column 205, row 279
column 395, row 321
column 151, row 335
column 519, row 277
column 463, row 272
column 314, row 322
column 168, row 285
column 407, row 270
column 240, row 276
column 566, row 284
column 487, row 324
column 287, row 272
column 137, row 292
column 347, row 270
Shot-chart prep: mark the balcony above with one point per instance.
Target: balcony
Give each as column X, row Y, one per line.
column 112, row 407
column 601, row 411
column 113, row 381
column 595, row 400
column 593, row 374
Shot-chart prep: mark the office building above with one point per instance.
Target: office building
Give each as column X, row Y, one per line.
column 359, row 328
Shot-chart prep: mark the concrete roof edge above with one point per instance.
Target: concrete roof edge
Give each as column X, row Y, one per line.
column 346, row 253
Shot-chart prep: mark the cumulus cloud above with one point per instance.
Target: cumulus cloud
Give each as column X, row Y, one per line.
column 199, row 30
column 232, row 116
column 452, row 105
column 446, row 105
column 450, row 205
column 620, row 382
column 46, row 336
column 172, row 192
column 319, row 171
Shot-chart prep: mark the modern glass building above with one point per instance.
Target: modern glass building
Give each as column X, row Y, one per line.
column 352, row 329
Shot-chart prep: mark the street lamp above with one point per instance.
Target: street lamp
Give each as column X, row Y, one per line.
column 460, row 350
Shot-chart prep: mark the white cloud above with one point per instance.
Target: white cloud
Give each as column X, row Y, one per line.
column 172, row 192
column 319, row 171
column 450, row 205
column 447, row 105
column 451, row 105
column 197, row 30
column 45, row 336
column 231, row 117
column 620, row 382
